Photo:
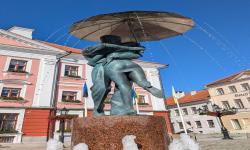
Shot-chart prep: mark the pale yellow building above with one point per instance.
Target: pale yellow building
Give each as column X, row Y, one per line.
column 233, row 91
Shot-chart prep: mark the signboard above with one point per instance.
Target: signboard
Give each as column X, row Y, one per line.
column 242, row 94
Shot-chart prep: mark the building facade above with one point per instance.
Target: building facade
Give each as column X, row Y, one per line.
column 35, row 85
column 189, row 104
column 233, row 91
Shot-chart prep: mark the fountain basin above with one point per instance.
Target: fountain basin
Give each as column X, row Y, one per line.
column 106, row 132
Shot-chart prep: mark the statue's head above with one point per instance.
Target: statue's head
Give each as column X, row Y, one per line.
column 111, row 39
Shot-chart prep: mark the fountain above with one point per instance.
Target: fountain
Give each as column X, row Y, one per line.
column 120, row 34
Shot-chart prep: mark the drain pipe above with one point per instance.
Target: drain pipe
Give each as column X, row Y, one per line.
column 53, row 102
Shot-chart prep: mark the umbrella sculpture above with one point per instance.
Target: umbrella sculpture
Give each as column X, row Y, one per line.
column 112, row 60
column 132, row 26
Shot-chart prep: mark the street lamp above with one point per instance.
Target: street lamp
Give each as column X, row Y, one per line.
column 219, row 112
column 63, row 113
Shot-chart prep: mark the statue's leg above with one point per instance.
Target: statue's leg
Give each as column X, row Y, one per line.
column 137, row 75
column 99, row 89
column 121, row 101
column 99, row 93
column 118, row 107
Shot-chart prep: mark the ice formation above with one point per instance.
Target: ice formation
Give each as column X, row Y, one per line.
column 184, row 143
column 128, row 143
column 81, row 146
column 53, row 144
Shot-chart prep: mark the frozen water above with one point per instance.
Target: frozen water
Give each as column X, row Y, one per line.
column 53, row 144
column 184, row 143
column 128, row 142
column 81, row 146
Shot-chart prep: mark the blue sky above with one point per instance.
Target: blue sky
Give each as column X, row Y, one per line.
column 218, row 46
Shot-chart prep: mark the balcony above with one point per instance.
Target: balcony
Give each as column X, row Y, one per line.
column 8, row 136
column 72, row 101
column 12, row 99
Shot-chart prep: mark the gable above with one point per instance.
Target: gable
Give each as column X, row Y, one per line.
column 12, row 39
column 242, row 76
column 11, row 42
column 237, row 76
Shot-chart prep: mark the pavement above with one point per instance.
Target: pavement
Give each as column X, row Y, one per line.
column 33, row 146
column 243, row 144
column 239, row 144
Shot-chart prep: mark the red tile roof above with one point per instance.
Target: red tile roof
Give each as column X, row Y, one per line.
column 8, row 41
column 65, row 48
column 199, row 96
column 226, row 79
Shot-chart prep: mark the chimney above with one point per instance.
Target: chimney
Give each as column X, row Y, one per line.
column 180, row 94
column 193, row 93
column 22, row 31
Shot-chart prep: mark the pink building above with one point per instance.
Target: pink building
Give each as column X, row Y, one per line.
column 35, row 84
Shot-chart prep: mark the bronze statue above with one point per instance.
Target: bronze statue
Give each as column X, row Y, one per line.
column 112, row 61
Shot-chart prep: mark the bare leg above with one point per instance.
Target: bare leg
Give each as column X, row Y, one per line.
column 122, row 100
column 137, row 75
column 117, row 106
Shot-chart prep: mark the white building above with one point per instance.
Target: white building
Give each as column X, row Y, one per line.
column 194, row 122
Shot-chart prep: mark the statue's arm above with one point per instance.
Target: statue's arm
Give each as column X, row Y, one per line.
column 123, row 48
column 122, row 55
column 92, row 60
column 92, row 49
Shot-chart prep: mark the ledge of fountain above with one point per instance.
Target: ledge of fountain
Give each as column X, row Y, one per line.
column 106, row 132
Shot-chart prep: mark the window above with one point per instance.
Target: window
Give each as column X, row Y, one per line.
column 225, row 105
column 185, row 112
column 194, row 110
column 141, row 99
column 248, row 99
column 171, row 113
column 245, row 86
column 108, row 99
column 180, row 125
column 198, row 124
column 8, row 122
column 205, row 107
column 210, row 123
column 177, row 113
column 10, row 92
column 236, row 124
column 68, row 96
column 232, row 89
column 68, row 125
column 220, row 91
column 17, row 65
column 188, row 123
column 246, row 122
column 71, row 71
column 238, row 103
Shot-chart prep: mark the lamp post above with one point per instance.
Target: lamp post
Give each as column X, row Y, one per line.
column 219, row 112
column 64, row 112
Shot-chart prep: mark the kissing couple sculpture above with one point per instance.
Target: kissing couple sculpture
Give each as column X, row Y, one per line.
column 112, row 61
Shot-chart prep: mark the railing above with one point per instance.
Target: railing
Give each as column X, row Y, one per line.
column 6, row 139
